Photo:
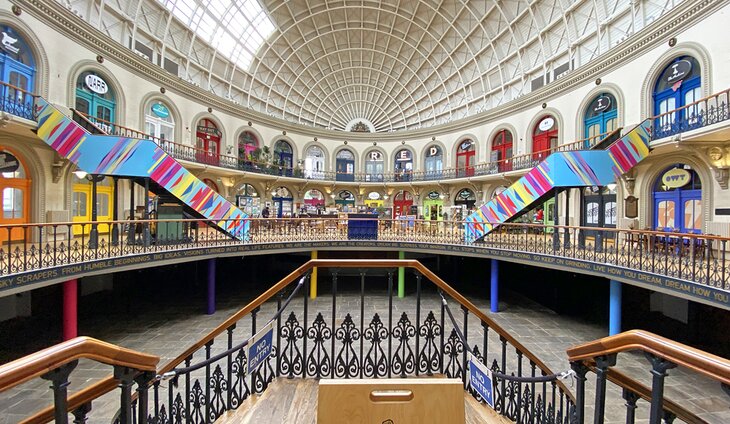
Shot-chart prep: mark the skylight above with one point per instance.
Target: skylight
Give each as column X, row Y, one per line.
column 236, row 28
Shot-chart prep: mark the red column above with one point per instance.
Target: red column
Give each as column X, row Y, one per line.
column 70, row 309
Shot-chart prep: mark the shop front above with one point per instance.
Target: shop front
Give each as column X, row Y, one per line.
column 345, row 201
column 283, row 202
column 374, row 200
column 313, row 201
column 433, row 206
column 248, row 200
column 402, row 204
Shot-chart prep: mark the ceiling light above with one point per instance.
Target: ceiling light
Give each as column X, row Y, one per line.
column 80, row 174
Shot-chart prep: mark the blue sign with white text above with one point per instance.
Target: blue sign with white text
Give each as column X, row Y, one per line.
column 480, row 379
column 259, row 347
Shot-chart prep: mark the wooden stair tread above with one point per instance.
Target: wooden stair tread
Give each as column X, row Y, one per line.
column 294, row 401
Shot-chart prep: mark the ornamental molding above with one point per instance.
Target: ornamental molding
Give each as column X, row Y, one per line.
column 57, row 16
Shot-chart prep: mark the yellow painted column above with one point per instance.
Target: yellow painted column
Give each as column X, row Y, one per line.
column 313, row 279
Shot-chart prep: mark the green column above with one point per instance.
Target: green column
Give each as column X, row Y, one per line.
column 401, row 277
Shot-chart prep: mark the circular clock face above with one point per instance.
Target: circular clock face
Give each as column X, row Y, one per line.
column 715, row 153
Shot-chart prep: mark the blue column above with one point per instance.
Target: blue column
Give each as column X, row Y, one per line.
column 211, row 287
column 614, row 308
column 494, row 282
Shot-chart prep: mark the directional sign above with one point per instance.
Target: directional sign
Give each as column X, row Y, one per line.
column 259, row 347
column 480, row 379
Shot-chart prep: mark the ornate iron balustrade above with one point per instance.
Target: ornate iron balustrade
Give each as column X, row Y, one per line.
column 708, row 111
column 16, row 101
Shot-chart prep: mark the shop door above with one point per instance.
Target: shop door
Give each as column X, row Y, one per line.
column 208, row 149
column 465, row 163
column 598, row 211
column 542, row 143
column 16, row 207
column 345, row 170
column 81, row 206
column 679, row 210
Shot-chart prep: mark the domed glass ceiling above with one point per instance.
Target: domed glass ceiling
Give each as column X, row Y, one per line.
column 397, row 65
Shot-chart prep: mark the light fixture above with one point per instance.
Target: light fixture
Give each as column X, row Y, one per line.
column 441, row 196
column 611, row 186
column 385, row 196
column 80, row 174
column 273, row 193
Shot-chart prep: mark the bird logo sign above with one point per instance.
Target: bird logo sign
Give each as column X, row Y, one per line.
column 8, row 43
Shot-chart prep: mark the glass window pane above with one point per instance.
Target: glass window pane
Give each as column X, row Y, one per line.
column 693, row 214
column 12, row 203
column 102, row 204
column 609, row 213
column 665, row 214
column 592, row 213
column 79, row 204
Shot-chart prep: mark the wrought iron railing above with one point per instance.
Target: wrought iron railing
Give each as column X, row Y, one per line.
column 707, row 111
column 17, row 101
column 698, row 258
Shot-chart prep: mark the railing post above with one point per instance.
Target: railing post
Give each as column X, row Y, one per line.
column 631, row 398
column 602, row 365
column 580, row 392
column 125, row 376
column 81, row 412
column 59, row 379
column 659, row 368
column 143, row 381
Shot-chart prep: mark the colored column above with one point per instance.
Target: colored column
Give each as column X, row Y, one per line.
column 313, row 279
column 70, row 309
column 494, row 285
column 614, row 308
column 210, row 310
column 401, row 277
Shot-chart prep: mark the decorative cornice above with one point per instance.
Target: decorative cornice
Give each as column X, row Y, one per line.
column 55, row 15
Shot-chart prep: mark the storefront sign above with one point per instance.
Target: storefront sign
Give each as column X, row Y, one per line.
column 346, row 195
column 601, row 104
column 546, row 124
column 433, row 195
column 96, row 84
column 208, row 130
column 403, row 155
column 433, row 151
column 675, row 178
column 376, row 155
column 160, row 110
column 680, row 69
column 466, row 145
column 260, row 347
column 8, row 162
column 374, row 195
column 8, row 43
column 465, row 194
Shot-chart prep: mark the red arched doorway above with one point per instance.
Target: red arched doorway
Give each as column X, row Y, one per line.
column 544, row 137
column 465, row 159
column 208, row 142
column 402, row 203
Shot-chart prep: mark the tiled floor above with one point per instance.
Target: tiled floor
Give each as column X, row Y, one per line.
column 168, row 329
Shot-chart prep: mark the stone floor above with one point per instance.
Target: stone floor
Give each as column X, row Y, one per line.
column 168, row 328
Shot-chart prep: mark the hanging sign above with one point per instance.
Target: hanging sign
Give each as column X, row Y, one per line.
column 433, row 195
column 374, row 195
column 8, row 162
column 260, row 347
column 96, row 84
column 480, row 380
column 680, row 69
column 202, row 129
column 160, row 110
column 8, row 43
column 675, row 178
column 601, row 104
column 546, row 124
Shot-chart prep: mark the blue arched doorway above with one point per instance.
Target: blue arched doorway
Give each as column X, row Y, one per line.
column 678, row 85
column 678, row 200
column 18, row 72
column 600, row 118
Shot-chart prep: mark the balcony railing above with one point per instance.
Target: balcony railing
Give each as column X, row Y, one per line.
column 16, row 101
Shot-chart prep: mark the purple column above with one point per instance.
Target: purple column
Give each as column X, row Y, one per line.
column 494, row 282
column 211, row 287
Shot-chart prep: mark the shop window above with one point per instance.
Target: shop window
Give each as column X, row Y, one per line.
column 678, row 200
column 678, row 85
column 544, row 138
column 159, row 122
column 96, row 99
column 16, row 190
column 17, row 67
column 502, row 151
column 600, row 118
column 345, row 165
column 465, row 158
column 434, row 163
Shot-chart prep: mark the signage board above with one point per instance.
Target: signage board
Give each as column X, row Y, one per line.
column 260, row 347
column 160, row 110
column 480, row 380
column 466, row 194
column 403, row 155
column 433, row 151
column 433, row 195
column 373, row 195
column 675, row 178
column 680, row 69
column 8, row 43
column 466, row 145
column 8, row 162
column 601, row 104
column 96, row 84
column 546, row 124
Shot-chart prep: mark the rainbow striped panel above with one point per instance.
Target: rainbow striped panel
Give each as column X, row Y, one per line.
column 129, row 157
column 561, row 169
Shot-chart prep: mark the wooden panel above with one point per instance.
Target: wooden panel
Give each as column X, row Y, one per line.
column 392, row 401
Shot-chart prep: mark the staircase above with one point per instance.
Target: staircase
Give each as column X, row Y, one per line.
column 582, row 168
column 136, row 158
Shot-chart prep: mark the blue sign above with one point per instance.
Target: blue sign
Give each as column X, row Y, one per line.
column 480, row 379
column 259, row 347
column 160, row 110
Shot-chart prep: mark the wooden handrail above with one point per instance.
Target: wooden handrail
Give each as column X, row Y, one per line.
column 43, row 361
column 701, row 362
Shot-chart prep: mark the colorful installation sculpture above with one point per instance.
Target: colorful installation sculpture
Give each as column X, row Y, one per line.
column 130, row 157
column 561, row 169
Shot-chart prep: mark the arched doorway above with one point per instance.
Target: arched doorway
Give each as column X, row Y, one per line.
column 402, row 203
column 96, row 99
column 374, row 166
column 600, row 118
column 83, row 198
column 598, row 208
column 249, row 200
column 345, row 166
column 502, row 151
column 314, row 201
column 15, row 185
column 544, row 137
column 284, row 157
column 283, row 202
column 466, row 197
column 403, row 166
column 678, row 85
column 465, row 158
column 314, row 163
column 434, row 162
column 208, row 140
column 18, row 70
column 247, row 143
column 678, row 200
column 159, row 122
column 345, row 201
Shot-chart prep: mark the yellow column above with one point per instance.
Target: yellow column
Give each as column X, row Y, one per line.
column 313, row 279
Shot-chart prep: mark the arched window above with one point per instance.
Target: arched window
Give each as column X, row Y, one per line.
column 82, row 202
column 544, row 137
column 283, row 202
column 502, row 151
column 345, row 201
column 248, row 200
column 678, row 85
column 678, row 200
column 284, row 157
column 345, row 165
column 403, row 165
column 402, row 203
column 158, row 121
column 208, row 141
column 15, row 185
column 18, row 69
column 96, row 99
column 374, row 166
column 465, row 158
column 434, row 162
column 313, row 201
column 247, row 143
column 314, row 163
column 465, row 197
column 600, row 118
